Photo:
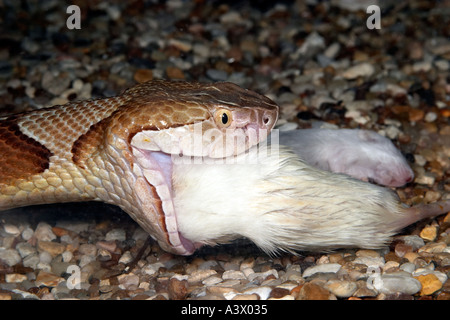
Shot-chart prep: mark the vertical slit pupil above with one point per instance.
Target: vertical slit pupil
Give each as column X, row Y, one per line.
column 224, row 118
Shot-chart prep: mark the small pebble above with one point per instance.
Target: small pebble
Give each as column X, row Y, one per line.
column 10, row 256
column 44, row 232
column 430, row 284
column 322, row 268
column 15, row 278
column 360, row 70
column 341, row 288
column 312, row 291
column 396, row 283
column 53, row 248
column 428, row 233
column 48, row 279
column 116, row 234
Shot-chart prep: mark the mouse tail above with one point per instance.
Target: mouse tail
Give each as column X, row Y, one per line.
column 420, row 212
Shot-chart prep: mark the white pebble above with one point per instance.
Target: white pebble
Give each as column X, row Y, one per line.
column 25, row 249
column 45, row 257
column 27, row 233
column 10, row 256
column 67, row 256
column 374, row 262
column 85, row 260
column 233, row 274
column 128, row 281
column 262, row 292
column 322, row 268
column 44, row 266
column 210, row 281
column 422, row 66
column 31, row 261
column 126, row 258
column 153, row 268
column 442, row 65
column 116, row 234
column 398, row 282
column 11, row 229
column 419, row 160
column 392, row 132
column 361, row 70
column 44, row 232
column 408, row 267
column 430, row 117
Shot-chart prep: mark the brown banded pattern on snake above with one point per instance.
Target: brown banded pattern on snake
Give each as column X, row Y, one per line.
column 117, row 149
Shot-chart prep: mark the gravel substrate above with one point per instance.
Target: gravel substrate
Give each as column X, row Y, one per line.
column 318, row 61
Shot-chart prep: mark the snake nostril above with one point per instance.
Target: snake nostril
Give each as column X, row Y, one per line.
column 267, row 119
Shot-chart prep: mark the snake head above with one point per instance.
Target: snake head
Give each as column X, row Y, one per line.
column 163, row 120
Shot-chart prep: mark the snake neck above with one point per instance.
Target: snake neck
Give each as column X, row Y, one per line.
column 37, row 164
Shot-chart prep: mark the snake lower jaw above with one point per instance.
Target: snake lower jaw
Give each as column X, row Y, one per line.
column 153, row 171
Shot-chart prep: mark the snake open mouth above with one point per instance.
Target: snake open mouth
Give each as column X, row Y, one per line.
column 154, row 163
column 156, row 168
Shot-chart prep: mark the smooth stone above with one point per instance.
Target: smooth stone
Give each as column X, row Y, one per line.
column 312, row 291
column 15, row 278
column 399, row 282
column 11, row 229
column 25, row 249
column 10, row 256
column 31, row 261
column 200, row 275
column 48, row 279
column 54, row 248
column 44, row 232
column 341, row 288
column 233, row 274
column 116, row 234
column 322, row 268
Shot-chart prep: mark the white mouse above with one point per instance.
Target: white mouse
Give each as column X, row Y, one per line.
column 362, row 154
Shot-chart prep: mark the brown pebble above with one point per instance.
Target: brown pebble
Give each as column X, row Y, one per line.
column 48, row 279
column 416, row 114
column 54, row 248
column 5, row 296
column 430, row 284
column 59, row 232
column 278, row 293
column 143, row 75
column 174, row 73
column 110, row 246
column 391, row 256
column 401, row 249
column 312, row 291
column 178, row 289
column 428, row 233
column 443, row 296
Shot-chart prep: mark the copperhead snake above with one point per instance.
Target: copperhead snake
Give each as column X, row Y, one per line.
column 117, row 150
column 128, row 150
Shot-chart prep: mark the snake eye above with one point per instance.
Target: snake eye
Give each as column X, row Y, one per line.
column 223, row 118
